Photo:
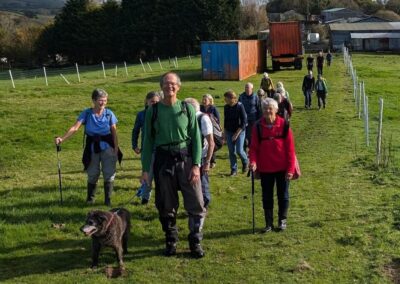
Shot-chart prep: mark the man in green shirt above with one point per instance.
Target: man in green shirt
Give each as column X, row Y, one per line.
column 171, row 129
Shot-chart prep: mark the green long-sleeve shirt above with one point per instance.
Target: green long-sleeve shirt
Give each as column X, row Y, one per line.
column 171, row 126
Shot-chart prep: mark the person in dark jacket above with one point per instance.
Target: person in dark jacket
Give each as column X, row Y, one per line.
column 144, row 192
column 310, row 62
column 328, row 58
column 251, row 104
column 272, row 154
column 322, row 91
column 308, row 88
column 235, row 120
column 320, row 62
column 101, row 144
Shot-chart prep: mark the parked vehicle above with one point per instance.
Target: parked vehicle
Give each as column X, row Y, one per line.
column 285, row 45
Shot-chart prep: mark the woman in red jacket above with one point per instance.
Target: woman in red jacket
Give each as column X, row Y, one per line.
column 273, row 156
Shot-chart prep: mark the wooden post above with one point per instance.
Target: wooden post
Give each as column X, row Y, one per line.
column 77, row 72
column 12, row 79
column 148, row 64
column 45, row 75
column 141, row 62
column 379, row 140
column 126, row 69
column 65, row 79
column 159, row 62
column 104, row 70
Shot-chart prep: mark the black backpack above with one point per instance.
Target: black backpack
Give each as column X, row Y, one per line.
column 218, row 134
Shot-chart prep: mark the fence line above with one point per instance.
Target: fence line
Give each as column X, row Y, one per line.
column 361, row 104
column 74, row 73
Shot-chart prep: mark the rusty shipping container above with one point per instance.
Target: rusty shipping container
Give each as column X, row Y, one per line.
column 232, row 59
column 285, row 44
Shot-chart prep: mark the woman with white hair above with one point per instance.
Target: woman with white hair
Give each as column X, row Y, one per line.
column 272, row 154
column 267, row 85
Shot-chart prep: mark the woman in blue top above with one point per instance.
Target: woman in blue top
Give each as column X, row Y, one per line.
column 101, row 144
column 144, row 192
column 235, row 121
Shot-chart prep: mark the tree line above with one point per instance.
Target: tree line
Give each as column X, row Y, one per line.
column 147, row 29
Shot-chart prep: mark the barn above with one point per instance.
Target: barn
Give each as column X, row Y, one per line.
column 369, row 36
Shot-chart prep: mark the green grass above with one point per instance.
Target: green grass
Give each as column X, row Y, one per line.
column 342, row 224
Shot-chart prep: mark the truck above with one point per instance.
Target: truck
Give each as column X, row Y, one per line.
column 285, row 45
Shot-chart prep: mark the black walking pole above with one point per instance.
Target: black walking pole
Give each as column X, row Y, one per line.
column 252, row 197
column 58, row 147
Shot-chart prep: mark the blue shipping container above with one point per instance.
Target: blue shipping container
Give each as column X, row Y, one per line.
column 220, row 60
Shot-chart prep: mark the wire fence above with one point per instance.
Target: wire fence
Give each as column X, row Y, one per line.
column 78, row 73
column 383, row 153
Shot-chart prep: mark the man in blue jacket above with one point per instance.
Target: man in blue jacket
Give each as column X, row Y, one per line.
column 251, row 104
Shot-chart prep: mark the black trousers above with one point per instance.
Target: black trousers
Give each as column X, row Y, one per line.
column 268, row 180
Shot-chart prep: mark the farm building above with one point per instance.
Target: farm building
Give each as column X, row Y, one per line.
column 232, row 59
column 340, row 13
column 377, row 36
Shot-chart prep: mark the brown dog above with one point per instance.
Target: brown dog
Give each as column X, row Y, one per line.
column 108, row 228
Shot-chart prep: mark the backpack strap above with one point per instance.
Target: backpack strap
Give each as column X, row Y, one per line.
column 154, row 116
column 283, row 136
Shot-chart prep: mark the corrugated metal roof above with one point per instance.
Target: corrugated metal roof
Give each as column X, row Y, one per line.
column 375, row 35
column 374, row 26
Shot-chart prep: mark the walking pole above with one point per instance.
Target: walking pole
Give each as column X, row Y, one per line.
column 252, row 198
column 58, row 148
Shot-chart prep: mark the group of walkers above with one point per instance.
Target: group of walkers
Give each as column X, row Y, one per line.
column 177, row 148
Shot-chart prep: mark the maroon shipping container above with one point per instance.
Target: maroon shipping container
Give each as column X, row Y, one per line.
column 232, row 59
column 285, row 44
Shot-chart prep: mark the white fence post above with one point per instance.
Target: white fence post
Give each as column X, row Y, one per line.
column 12, row 79
column 366, row 119
column 148, row 64
column 379, row 140
column 65, row 79
column 159, row 62
column 359, row 100
column 77, row 72
column 141, row 62
column 45, row 75
column 104, row 70
column 126, row 69
column 116, row 70
column 176, row 59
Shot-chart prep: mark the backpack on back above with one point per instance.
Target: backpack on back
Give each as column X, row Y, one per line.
column 218, row 134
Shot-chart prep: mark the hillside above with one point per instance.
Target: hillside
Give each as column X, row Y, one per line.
column 12, row 20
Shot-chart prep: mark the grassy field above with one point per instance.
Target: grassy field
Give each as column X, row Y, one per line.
column 343, row 217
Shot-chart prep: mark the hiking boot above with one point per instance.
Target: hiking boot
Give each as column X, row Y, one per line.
column 91, row 191
column 145, row 201
column 245, row 168
column 213, row 165
column 108, row 188
column 267, row 229
column 233, row 173
column 196, row 250
column 282, row 225
column 170, row 249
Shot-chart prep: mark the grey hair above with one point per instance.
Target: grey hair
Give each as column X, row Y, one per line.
column 260, row 92
column 269, row 102
column 279, row 84
column 194, row 103
column 250, row 85
column 178, row 79
column 99, row 93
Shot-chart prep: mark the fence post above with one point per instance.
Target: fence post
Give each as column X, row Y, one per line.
column 116, row 70
column 148, row 64
column 65, row 79
column 45, row 75
column 104, row 70
column 190, row 58
column 159, row 62
column 12, row 79
column 126, row 69
column 176, row 59
column 77, row 72
column 379, row 140
column 359, row 100
column 141, row 62
column 366, row 119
